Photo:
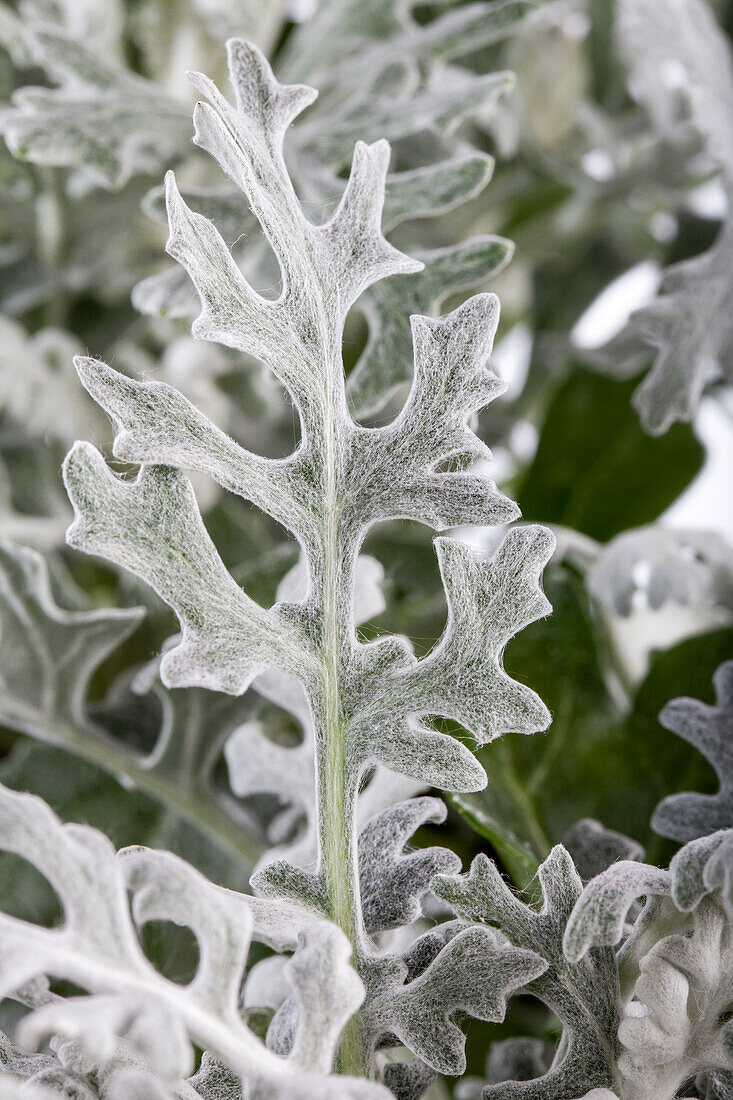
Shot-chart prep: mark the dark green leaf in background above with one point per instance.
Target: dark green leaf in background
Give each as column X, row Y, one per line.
column 596, row 470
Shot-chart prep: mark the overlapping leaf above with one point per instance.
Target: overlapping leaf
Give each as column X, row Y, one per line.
column 710, row 729
column 688, row 323
column 383, row 473
column 128, row 1001
column 50, row 654
column 585, row 997
column 103, row 118
column 674, row 963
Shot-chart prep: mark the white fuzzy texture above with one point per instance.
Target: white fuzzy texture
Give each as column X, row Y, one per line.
column 653, row 566
column 675, row 965
column 583, row 995
column 710, row 729
column 129, row 1002
column 397, row 79
column 676, row 51
column 600, row 914
column 49, row 654
column 340, row 481
column 38, row 388
column 100, row 115
column 365, row 703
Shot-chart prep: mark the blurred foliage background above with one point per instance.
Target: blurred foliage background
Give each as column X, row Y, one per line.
column 594, row 175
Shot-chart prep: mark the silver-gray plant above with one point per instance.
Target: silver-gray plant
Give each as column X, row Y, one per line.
column 363, row 997
column 371, row 704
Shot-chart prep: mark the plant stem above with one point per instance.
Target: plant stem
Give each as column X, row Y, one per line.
column 535, row 831
column 206, row 816
column 336, row 787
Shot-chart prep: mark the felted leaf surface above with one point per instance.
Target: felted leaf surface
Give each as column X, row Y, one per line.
column 49, row 655
column 709, row 729
column 409, row 1081
column 435, row 189
column 439, row 108
column 367, row 702
column 685, row 31
column 79, row 791
column 386, row 362
column 318, row 48
column 97, row 947
column 383, row 473
column 702, row 867
column 688, row 323
column 392, row 882
column 144, row 526
column 321, row 148
column 673, row 1027
column 599, row 917
column 427, row 191
column 690, row 326
column 675, row 967
column 537, row 790
column 475, row 973
column 105, row 119
column 658, row 565
column 584, row 997
column 484, row 597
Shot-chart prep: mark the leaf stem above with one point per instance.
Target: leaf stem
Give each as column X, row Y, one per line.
column 208, row 817
column 523, row 801
column 336, row 784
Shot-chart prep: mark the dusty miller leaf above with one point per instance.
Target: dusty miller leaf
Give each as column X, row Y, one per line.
column 48, row 654
column 474, row 973
column 97, row 948
column 674, row 1025
column 367, row 702
column 583, row 996
column 674, row 964
column 709, row 729
column 655, row 565
column 400, row 459
column 688, row 322
column 106, row 119
column 689, row 325
column 386, row 361
column 392, row 882
column 593, row 848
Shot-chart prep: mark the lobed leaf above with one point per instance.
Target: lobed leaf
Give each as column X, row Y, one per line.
column 106, row 119
column 475, row 973
column 49, row 654
column 709, row 729
column 127, row 999
column 584, row 996
column 152, row 526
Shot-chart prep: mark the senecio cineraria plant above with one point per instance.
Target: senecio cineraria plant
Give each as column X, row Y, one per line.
column 351, row 965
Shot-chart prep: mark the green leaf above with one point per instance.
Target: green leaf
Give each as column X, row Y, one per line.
column 596, row 470
column 517, row 856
